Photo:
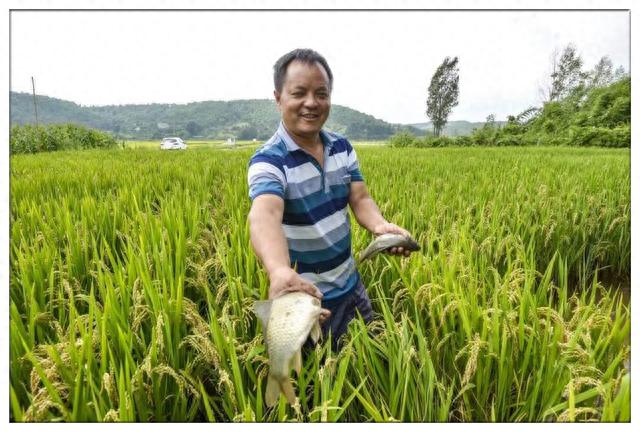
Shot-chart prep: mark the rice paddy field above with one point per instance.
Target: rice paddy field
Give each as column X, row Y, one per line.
column 191, row 144
column 132, row 281
column 216, row 144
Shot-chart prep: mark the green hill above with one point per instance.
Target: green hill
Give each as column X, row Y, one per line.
column 243, row 119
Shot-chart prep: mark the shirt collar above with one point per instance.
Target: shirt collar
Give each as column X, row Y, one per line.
column 326, row 138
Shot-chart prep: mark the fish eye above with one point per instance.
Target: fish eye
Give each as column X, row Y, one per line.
column 315, row 301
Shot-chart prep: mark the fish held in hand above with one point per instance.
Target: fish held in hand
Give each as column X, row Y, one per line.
column 287, row 321
column 387, row 241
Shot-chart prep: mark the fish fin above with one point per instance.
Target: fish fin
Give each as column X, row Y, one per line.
column 297, row 361
column 287, row 389
column 262, row 309
column 316, row 333
column 273, row 391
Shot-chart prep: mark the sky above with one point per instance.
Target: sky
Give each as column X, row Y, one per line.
column 382, row 61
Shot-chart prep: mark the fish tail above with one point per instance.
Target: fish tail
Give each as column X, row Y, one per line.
column 273, row 391
column 287, row 389
column 275, row 386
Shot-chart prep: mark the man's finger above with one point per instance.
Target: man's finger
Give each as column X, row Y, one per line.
column 311, row 290
column 324, row 314
column 306, row 288
column 399, row 230
column 317, row 292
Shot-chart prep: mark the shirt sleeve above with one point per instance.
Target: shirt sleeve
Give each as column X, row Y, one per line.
column 266, row 176
column 354, row 165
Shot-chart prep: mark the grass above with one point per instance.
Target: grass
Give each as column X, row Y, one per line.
column 132, row 280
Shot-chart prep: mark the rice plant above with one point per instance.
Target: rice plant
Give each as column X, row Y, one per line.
column 132, row 280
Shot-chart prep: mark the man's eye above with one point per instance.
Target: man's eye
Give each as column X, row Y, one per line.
column 297, row 94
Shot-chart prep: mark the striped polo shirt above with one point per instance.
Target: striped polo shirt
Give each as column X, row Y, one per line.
column 316, row 215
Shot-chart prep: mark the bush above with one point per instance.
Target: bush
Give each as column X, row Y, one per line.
column 509, row 140
column 403, row 139
column 34, row 139
column 618, row 113
column 598, row 136
column 581, row 119
column 441, row 141
column 464, row 141
column 531, row 140
column 554, row 140
column 610, row 106
column 485, row 136
column 512, row 129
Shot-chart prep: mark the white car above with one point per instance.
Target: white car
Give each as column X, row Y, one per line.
column 172, row 143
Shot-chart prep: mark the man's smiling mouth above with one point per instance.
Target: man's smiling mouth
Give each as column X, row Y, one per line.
column 310, row 116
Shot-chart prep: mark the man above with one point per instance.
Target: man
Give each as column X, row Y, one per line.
column 300, row 182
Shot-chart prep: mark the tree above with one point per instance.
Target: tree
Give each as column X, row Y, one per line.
column 619, row 74
column 566, row 74
column 193, row 128
column 248, row 132
column 602, row 73
column 443, row 93
column 490, row 123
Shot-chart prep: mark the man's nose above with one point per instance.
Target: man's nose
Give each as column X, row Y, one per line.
column 310, row 101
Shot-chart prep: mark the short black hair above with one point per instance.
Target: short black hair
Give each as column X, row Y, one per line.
column 307, row 56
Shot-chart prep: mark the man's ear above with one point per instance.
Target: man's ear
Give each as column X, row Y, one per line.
column 277, row 96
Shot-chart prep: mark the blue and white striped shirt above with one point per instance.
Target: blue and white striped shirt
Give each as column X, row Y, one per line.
column 316, row 215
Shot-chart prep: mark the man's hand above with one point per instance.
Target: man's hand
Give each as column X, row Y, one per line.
column 389, row 228
column 284, row 280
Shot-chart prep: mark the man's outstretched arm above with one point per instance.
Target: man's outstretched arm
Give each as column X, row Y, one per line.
column 270, row 245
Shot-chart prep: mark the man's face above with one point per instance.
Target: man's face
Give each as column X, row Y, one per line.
column 305, row 100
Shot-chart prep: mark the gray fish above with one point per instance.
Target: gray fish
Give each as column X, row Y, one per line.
column 387, row 241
